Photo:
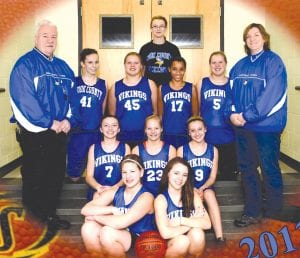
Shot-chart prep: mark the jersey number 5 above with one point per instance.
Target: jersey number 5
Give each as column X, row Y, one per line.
column 217, row 104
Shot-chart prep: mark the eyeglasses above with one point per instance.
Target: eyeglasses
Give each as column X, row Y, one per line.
column 158, row 27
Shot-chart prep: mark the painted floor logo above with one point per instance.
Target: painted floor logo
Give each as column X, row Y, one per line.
column 22, row 239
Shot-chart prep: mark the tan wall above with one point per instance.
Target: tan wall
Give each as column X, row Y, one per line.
column 236, row 18
column 289, row 50
column 65, row 17
column 16, row 46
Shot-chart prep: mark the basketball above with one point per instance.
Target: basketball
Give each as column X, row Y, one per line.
column 150, row 245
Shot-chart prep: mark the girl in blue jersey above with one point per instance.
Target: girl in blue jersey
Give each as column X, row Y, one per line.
column 203, row 158
column 132, row 99
column 213, row 93
column 179, row 213
column 88, row 100
column 113, row 221
column 155, row 153
column 103, row 167
column 177, row 101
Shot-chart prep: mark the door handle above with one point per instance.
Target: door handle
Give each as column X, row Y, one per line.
column 159, row 2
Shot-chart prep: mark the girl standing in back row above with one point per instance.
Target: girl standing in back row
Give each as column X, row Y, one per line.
column 213, row 93
column 157, row 53
column 88, row 101
column 177, row 101
column 132, row 99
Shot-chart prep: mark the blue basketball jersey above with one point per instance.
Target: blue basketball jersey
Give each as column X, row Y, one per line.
column 173, row 211
column 86, row 103
column 144, row 224
column 154, row 165
column 213, row 99
column 201, row 165
column 177, row 108
column 133, row 105
column 107, row 166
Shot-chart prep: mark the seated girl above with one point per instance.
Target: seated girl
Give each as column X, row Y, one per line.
column 120, row 215
column 179, row 213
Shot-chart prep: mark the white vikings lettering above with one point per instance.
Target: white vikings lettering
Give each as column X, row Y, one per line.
column 178, row 214
column 132, row 94
column 177, row 95
column 175, row 214
column 109, row 158
column 214, row 93
column 154, row 164
column 200, row 162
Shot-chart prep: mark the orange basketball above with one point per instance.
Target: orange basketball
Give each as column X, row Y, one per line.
column 150, row 245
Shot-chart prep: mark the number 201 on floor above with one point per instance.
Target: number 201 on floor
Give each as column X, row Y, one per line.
column 271, row 249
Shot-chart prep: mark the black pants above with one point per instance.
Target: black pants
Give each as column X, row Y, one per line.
column 43, row 170
column 227, row 161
